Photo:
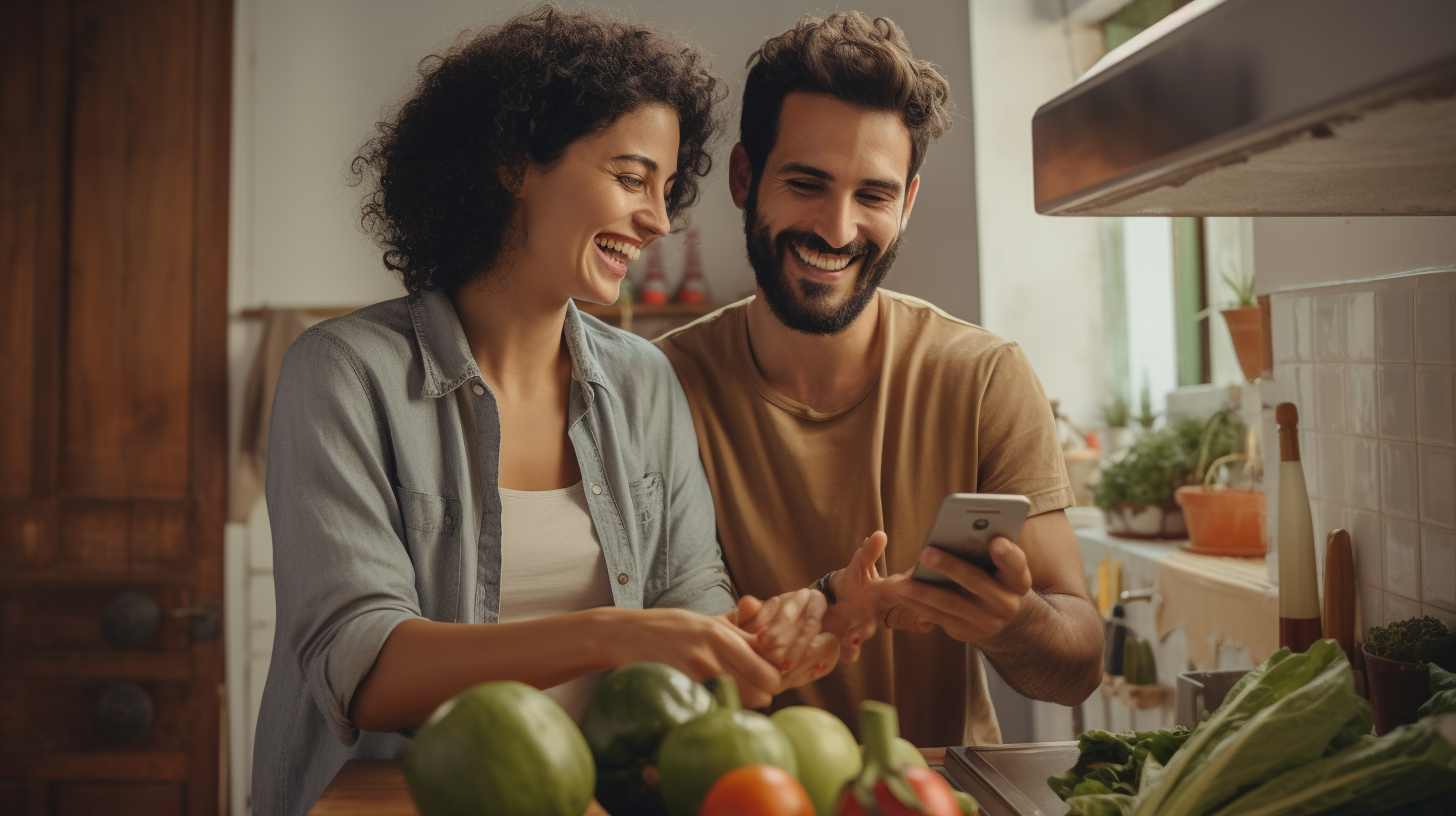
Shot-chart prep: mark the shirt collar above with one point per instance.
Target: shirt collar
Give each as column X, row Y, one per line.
column 448, row 361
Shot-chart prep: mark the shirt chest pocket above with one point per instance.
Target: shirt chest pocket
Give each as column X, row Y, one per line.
column 649, row 506
column 432, row 537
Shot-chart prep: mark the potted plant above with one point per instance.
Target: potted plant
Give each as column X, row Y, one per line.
column 1223, row 520
column 1136, row 492
column 1245, row 326
column 1116, row 415
column 1397, row 670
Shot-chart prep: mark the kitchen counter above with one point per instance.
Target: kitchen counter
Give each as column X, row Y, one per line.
column 377, row 788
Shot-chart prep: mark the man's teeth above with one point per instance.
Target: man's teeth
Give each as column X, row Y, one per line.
column 622, row 248
column 818, row 260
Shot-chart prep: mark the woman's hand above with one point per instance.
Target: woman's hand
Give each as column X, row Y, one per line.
column 700, row 646
column 786, row 630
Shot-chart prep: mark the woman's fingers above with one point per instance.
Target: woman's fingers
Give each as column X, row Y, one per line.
column 820, row 659
column 747, row 612
column 809, row 627
column 740, row 660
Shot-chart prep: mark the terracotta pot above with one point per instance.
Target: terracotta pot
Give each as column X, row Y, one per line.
column 1223, row 519
column 1397, row 689
column 1153, row 521
column 1247, row 333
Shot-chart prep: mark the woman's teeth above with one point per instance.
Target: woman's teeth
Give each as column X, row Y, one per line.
column 622, row 248
column 818, row 260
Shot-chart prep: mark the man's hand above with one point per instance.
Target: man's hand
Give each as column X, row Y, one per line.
column 994, row 600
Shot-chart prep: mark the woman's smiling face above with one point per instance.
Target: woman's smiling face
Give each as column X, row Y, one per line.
column 585, row 217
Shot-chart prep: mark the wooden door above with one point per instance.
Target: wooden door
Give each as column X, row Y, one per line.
column 114, row 119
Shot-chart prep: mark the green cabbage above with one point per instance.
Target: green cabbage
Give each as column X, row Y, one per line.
column 1412, row 764
column 1443, row 694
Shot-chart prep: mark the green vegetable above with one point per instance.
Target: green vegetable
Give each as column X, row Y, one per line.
column 696, row 753
column 825, row 750
column 1443, row 694
column 967, row 803
column 1280, row 716
column 1160, row 462
column 1417, row 640
column 628, row 716
column 904, row 752
column 502, row 748
column 1102, row 804
column 1120, row 759
column 1411, row 764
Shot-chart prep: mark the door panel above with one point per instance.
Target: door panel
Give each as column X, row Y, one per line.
column 113, row 250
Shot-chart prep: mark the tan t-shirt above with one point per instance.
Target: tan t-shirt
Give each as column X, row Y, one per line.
column 956, row 409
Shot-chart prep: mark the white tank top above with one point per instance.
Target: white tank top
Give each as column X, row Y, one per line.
column 552, row 564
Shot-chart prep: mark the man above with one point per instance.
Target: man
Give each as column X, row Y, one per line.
column 827, row 408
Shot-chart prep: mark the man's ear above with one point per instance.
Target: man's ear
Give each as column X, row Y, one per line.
column 909, row 201
column 740, row 176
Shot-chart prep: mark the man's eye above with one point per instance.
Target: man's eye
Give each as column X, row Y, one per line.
column 630, row 182
column 806, row 186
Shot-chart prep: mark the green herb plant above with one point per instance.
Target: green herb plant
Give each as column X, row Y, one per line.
column 1415, row 640
column 1160, row 462
column 1117, row 413
column 1145, row 418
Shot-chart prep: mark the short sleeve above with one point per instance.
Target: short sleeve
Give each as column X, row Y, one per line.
column 1019, row 452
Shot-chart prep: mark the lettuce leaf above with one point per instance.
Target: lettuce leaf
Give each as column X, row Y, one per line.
column 1278, row 717
column 1443, row 694
column 1410, row 765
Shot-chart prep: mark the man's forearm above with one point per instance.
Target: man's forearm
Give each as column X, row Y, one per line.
column 1051, row 650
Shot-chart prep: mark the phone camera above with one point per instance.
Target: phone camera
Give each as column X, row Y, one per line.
column 981, row 524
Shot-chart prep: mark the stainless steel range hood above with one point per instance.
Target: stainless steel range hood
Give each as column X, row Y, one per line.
column 1262, row 107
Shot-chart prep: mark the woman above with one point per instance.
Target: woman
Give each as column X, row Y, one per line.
column 481, row 453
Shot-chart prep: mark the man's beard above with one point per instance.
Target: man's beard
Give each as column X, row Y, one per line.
column 809, row 309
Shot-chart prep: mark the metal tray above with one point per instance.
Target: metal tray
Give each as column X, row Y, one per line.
column 1010, row 780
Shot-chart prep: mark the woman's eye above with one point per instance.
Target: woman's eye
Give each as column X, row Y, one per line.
column 630, row 182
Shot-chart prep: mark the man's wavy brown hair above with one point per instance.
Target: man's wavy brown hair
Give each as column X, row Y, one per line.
column 441, row 169
column 854, row 59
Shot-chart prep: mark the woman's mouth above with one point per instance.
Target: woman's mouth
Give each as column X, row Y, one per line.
column 616, row 253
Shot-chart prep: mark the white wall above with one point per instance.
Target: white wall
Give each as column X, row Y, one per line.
column 1294, row 252
column 1041, row 281
column 310, row 80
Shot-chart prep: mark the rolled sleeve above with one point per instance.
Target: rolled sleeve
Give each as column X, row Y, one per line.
column 343, row 574
column 1020, row 452
column 697, row 578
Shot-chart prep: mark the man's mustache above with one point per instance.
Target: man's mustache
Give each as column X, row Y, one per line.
column 811, row 240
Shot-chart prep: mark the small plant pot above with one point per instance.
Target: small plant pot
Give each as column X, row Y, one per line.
column 1397, row 689
column 1223, row 521
column 1247, row 332
column 1154, row 521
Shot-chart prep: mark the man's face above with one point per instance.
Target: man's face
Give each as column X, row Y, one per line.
column 825, row 218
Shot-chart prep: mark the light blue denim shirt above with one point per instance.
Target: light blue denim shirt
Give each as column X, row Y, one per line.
column 383, row 434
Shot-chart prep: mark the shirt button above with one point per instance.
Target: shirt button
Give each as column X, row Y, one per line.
column 478, row 389
column 448, row 521
column 597, row 491
column 621, row 577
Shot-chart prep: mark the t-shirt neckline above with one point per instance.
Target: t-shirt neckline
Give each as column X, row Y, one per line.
column 793, row 406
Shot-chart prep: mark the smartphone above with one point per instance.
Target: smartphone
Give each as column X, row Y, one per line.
column 965, row 525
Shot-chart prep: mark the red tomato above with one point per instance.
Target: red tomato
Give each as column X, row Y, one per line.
column 757, row 790
column 935, row 794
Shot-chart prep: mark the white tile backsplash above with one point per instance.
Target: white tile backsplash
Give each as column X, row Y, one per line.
column 1435, row 329
column 1402, row 553
column 1438, row 567
column 1397, row 386
column 1436, row 405
column 1361, row 413
column 1394, row 316
column 1372, row 368
column 1437, row 477
column 1360, row 326
column 1329, row 395
column 1398, row 480
column 1329, row 328
column 1362, row 480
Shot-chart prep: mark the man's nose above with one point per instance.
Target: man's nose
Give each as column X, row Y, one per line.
column 836, row 223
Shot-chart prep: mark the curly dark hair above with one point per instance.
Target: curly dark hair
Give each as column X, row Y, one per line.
column 852, row 58
column 517, row 93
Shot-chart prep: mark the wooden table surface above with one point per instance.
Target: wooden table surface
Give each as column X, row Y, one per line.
column 366, row 787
